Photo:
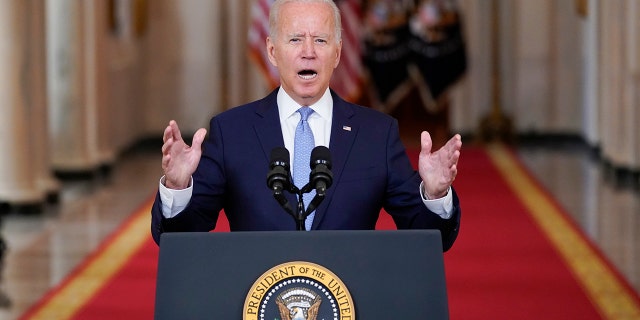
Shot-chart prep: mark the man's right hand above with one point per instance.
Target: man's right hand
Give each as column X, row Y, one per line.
column 179, row 160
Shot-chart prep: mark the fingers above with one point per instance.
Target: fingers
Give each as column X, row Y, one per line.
column 167, row 139
column 425, row 142
column 171, row 133
column 453, row 147
column 166, row 158
column 456, row 146
column 447, row 155
column 175, row 130
column 453, row 170
column 457, row 141
column 167, row 134
column 198, row 138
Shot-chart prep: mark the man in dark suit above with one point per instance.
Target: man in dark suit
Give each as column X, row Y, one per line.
column 370, row 169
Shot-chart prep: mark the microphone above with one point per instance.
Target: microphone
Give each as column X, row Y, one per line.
column 279, row 178
column 320, row 177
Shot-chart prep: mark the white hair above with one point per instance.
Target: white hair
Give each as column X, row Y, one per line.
column 274, row 16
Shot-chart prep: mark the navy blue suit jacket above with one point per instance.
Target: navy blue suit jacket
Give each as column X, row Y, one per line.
column 371, row 171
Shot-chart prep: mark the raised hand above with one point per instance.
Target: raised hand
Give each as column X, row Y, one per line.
column 179, row 160
column 438, row 169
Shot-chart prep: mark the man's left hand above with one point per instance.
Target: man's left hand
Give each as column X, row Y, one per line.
column 438, row 169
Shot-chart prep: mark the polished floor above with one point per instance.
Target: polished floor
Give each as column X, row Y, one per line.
column 44, row 247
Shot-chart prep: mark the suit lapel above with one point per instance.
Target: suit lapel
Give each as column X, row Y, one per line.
column 267, row 124
column 344, row 130
column 268, row 130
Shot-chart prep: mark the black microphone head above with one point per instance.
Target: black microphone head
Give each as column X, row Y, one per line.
column 278, row 177
column 320, row 155
column 279, row 157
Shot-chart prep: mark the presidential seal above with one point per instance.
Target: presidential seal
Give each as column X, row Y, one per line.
column 298, row 290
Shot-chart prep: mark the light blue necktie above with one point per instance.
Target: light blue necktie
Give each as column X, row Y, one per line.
column 302, row 146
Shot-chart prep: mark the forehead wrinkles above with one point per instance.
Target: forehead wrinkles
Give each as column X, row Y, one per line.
column 298, row 21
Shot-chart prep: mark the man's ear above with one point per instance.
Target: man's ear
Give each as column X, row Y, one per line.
column 338, row 54
column 271, row 52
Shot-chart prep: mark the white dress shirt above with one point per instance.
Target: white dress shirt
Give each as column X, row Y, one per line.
column 174, row 201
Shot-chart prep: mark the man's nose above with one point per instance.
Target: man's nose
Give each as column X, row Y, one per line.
column 308, row 48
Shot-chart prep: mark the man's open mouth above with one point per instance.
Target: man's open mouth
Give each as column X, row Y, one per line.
column 307, row 74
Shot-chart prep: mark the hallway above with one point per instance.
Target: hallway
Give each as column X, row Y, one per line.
column 83, row 81
column 44, row 247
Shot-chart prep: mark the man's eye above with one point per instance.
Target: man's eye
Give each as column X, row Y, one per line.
column 294, row 40
column 321, row 40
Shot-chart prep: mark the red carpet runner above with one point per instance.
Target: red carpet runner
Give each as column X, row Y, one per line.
column 517, row 257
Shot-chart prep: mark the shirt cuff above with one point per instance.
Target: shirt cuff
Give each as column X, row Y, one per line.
column 442, row 206
column 174, row 201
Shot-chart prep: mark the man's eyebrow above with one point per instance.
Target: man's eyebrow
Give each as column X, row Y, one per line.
column 296, row 35
column 323, row 35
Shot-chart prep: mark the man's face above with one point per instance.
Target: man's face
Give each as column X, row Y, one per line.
column 305, row 50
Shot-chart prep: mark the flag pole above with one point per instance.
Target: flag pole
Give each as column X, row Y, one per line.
column 496, row 125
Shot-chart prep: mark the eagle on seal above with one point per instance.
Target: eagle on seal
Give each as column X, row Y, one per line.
column 297, row 313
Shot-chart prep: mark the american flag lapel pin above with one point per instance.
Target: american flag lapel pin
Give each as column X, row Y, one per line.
column 346, row 128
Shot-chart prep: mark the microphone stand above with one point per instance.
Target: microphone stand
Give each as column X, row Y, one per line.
column 301, row 214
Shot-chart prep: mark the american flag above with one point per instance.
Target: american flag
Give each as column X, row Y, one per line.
column 258, row 32
column 347, row 78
